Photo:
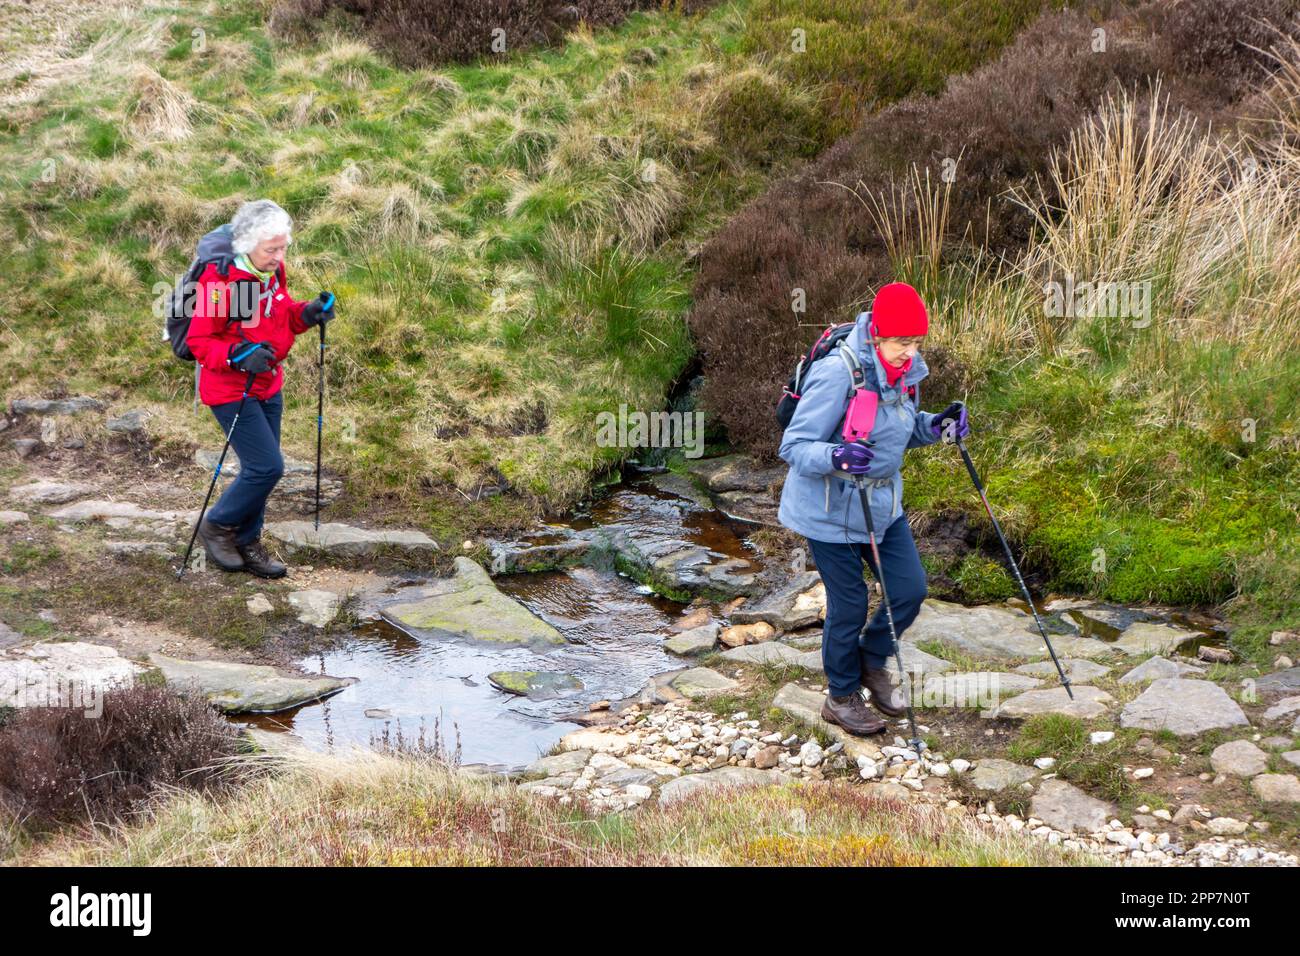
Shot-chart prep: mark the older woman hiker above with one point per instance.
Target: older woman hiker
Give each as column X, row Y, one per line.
column 243, row 326
column 820, row 500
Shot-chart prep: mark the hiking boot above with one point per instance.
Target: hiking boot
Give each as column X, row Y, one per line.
column 219, row 542
column 852, row 714
column 257, row 561
column 885, row 697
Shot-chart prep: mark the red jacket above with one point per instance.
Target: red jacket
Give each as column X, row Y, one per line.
column 210, row 336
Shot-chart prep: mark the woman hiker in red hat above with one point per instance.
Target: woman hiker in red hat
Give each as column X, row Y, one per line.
column 821, row 502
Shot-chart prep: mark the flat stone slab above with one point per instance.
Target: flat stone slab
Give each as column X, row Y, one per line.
column 50, row 492
column 56, row 406
column 1065, row 807
column 245, row 688
column 682, row 487
column 1185, row 707
column 535, row 685
column 806, row 705
column 13, row 517
column 993, row 775
column 1157, row 667
column 698, row 640
column 315, row 607
column 104, row 510
column 469, row 605
column 62, row 673
column 343, row 539
column 798, row 602
column 992, row 633
column 735, row 473
column 982, row 689
column 1283, row 708
column 702, row 682
column 1089, row 702
column 1239, row 758
column 1276, row 787
column 688, row 784
column 570, row 761
column 1146, row 637
column 1078, row 670
column 770, row 652
column 1279, row 681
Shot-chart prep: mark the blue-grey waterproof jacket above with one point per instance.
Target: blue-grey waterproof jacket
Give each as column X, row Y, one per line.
column 817, row 501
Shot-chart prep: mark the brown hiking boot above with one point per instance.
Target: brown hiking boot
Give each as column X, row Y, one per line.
column 219, row 542
column 852, row 714
column 259, row 562
column 885, row 697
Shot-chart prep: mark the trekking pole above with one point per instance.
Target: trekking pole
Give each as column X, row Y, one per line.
column 889, row 610
column 1024, row 589
column 327, row 299
column 213, row 484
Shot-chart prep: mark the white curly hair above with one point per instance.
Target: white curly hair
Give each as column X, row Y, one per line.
column 258, row 220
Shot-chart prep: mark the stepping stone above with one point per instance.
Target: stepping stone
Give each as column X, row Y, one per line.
column 701, row 682
column 682, row 487
column 1089, row 702
column 770, row 652
column 1185, row 707
column 535, row 685
column 12, row 517
column 1239, row 758
column 1276, row 787
column 63, row 673
column 1279, row 681
column 736, row 473
column 992, row 775
column 1118, row 618
column 1065, row 807
column 806, row 705
column 992, row 633
column 1148, row 638
column 315, row 607
column 688, row 784
column 246, row 688
column 982, row 689
column 698, row 640
column 1283, row 708
column 129, row 422
column 571, row 761
column 50, row 492
column 159, row 548
column 345, row 540
column 1075, row 669
column 1292, row 757
column 259, row 604
column 469, row 605
column 58, row 406
column 103, row 510
column 1156, row 668
column 798, row 602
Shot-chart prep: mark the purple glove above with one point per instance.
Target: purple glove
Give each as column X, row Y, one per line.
column 855, row 458
column 954, row 413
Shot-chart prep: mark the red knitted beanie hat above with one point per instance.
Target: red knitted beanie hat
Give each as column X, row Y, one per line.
column 897, row 310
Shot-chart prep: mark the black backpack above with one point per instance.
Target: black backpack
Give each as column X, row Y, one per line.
column 832, row 340
column 216, row 246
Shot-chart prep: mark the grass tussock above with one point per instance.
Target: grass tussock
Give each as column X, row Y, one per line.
column 372, row 810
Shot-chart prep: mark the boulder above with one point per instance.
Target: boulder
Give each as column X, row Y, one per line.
column 1185, row 707
column 245, row 688
column 469, row 605
column 535, row 685
column 315, row 607
column 1064, row 806
column 346, row 540
column 728, row 778
column 1239, row 758
column 698, row 640
column 993, row 775
column 797, row 603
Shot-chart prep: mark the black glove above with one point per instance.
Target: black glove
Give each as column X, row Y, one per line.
column 256, row 357
column 319, row 310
